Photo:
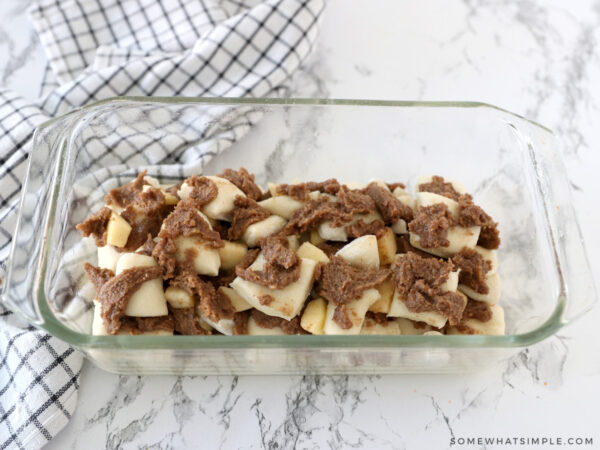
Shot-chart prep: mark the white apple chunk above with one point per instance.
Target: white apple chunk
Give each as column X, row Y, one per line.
column 288, row 301
column 432, row 333
column 309, row 251
column 387, row 247
column 493, row 327
column 313, row 317
column 231, row 254
column 491, row 298
column 149, row 298
column 237, row 301
column 410, row 327
column 223, row 326
column 370, row 326
column 259, row 230
column 338, row 234
column 429, row 198
column 178, row 298
column 386, row 291
column 206, row 260
column 356, row 311
column 255, row 329
column 117, row 231
column 108, row 257
column 361, row 253
column 400, row 227
column 221, row 208
column 398, row 307
column 281, row 205
column 458, row 237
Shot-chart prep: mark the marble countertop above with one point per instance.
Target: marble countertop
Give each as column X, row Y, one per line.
column 540, row 59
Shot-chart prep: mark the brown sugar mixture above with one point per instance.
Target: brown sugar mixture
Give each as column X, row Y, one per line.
column 361, row 228
column 116, row 292
column 95, row 226
column 281, row 268
column 243, row 180
column 419, row 281
column 480, row 311
column 246, row 213
column 145, row 215
column 127, row 193
column 301, row 191
column 287, row 326
column 204, row 191
column 472, row 215
column 96, row 275
column 341, row 283
column 187, row 322
column 184, row 221
column 473, row 269
column 390, row 208
column 439, row 186
column 431, row 223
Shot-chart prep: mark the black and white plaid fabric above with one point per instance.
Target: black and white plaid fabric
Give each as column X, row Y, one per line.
column 104, row 48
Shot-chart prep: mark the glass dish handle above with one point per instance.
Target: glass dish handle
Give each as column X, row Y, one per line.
column 37, row 205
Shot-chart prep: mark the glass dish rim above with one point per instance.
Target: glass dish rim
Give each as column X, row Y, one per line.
column 86, row 341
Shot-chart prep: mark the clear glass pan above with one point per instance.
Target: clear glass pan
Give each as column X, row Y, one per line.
column 510, row 164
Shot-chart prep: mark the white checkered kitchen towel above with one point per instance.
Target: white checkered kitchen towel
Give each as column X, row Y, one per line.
column 104, row 48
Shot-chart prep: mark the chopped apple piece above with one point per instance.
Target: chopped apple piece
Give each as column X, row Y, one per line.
column 361, row 253
column 338, row 234
column 281, row 205
column 458, row 237
column 313, row 318
column 429, row 198
column 432, row 333
column 372, row 327
column 108, row 257
column 117, row 231
column 206, row 259
column 433, row 318
column 315, row 238
column 386, row 290
column 287, row 302
column 223, row 326
column 178, row 297
column 408, row 326
column 457, row 185
column 255, row 329
column 309, row 251
column 293, row 242
column 400, row 227
column 149, row 299
column 387, row 247
column 221, row 208
column 492, row 297
column 493, row 327
column 356, row 311
column 259, row 230
column 170, row 199
column 231, row 254
column 237, row 301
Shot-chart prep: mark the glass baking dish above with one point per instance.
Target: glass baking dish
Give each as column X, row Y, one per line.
column 510, row 164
